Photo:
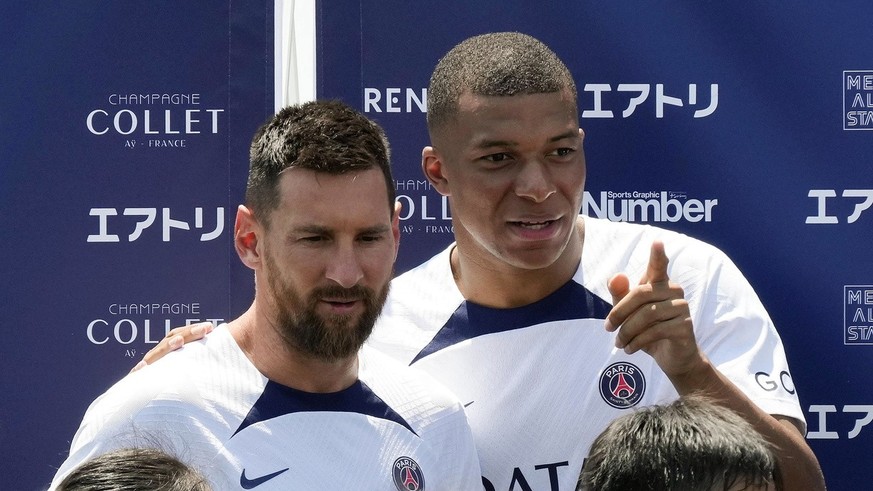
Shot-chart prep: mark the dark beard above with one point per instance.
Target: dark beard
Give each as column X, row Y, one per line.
column 325, row 338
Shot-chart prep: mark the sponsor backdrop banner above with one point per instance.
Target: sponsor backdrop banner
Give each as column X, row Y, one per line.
column 124, row 129
column 746, row 124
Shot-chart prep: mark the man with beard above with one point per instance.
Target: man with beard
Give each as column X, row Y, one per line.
column 283, row 397
column 548, row 324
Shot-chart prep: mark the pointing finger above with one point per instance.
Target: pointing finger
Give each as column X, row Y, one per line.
column 656, row 272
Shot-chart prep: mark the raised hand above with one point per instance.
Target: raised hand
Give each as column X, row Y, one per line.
column 654, row 317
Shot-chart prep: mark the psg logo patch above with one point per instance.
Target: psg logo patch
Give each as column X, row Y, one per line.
column 407, row 475
column 622, row 385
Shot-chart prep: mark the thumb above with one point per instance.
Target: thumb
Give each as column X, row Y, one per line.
column 656, row 272
column 619, row 286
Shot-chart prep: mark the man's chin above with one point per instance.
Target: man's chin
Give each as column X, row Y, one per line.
column 344, row 323
column 532, row 258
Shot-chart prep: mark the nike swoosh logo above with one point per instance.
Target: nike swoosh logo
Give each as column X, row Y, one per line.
column 247, row 483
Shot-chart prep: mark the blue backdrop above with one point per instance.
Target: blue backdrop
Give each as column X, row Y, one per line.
column 124, row 129
column 746, row 124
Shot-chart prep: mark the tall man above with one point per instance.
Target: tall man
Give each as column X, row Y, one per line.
column 280, row 398
column 547, row 324
column 525, row 317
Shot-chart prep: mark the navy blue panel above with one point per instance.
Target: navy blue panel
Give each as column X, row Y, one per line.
column 571, row 301
column 182, row 165
column 279, row 400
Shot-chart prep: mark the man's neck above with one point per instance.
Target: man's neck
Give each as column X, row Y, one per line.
column 277, row 361
column 500, row 285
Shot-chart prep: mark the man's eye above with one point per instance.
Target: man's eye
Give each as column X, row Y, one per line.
column 497, row 157
column 563, row 152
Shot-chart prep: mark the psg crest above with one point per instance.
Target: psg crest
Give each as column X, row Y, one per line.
column 407, row 475
column 622, row 385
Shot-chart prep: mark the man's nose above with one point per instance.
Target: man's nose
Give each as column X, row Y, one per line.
column 534, row 182
column 345, row 267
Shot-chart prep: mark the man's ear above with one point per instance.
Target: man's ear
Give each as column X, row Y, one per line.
column 246, row 230
column 434, row 170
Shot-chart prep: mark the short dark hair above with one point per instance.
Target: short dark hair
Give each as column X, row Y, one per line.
column 323, row 136
column 692, row 444
column 134, row 469
column 495, row 64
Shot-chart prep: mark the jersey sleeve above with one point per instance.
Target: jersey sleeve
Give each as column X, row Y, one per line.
column 739, row 337
column 133, row 414
column 460, row 459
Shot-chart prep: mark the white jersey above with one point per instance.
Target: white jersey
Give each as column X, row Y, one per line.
column 540, row 382
column 394, row 429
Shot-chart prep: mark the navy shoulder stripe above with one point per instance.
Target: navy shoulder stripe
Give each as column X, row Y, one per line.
column 278, row 400
column 470, row 320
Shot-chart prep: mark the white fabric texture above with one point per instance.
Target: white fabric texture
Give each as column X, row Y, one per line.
column 535, row 379
column 209, row 406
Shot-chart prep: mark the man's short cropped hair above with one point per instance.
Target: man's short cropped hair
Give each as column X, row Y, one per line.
column 494, row 64
column 323, row 136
